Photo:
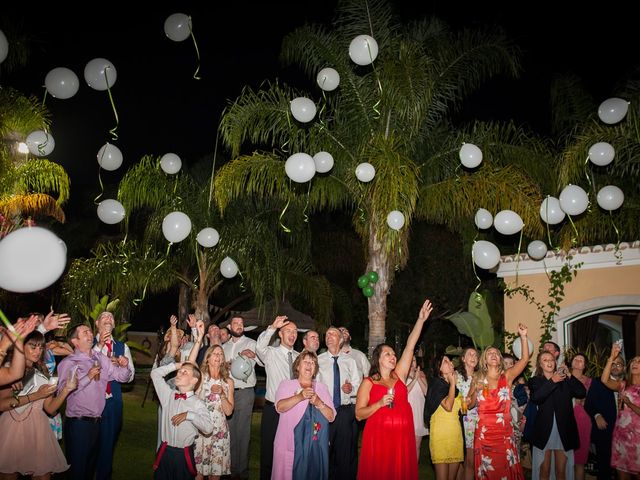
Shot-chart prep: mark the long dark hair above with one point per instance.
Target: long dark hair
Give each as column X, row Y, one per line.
column 374, row 371
column 462, row 369
column 40, row 366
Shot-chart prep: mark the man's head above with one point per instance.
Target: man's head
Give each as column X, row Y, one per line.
column 105, row 323
column 552, row 347
column 617, row 367
column 81, row 337
column 213, row 334
column 508, row 360
column 188, row 377
column 346, row 336
column 311, row 341
column 334, row 340
column 224, row 334
column 288, row 334
column 236, row 327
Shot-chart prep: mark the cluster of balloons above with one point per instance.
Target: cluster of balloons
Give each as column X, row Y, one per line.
column 506, row 222
column 367, row 283
column 302, row 167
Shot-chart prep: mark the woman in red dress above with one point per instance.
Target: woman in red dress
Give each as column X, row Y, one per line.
column 388, row 441
column 494, row 447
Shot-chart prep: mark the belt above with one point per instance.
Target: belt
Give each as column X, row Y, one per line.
column 88, row 419
column 268, row 402
column 242, row 388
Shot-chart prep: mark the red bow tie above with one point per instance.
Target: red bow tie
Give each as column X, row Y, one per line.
column 181, row 395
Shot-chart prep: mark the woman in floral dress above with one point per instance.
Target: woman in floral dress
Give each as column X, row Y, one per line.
column 212, row 453
column 464, row 380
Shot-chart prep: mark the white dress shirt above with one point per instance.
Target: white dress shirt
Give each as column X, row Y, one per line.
column 348, row 370
column 275, row 360
column 361, row 360
column 231, row 350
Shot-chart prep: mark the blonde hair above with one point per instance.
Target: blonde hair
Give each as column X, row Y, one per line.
column 204, row 366
column 483, row 368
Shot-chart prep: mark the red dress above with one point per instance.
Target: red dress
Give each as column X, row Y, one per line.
column 494, row 447
column 388, row 441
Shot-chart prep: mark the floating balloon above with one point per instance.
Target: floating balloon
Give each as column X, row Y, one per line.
column 363, row 281
column 100, row 74
column 610, row 197
column 303, row 109
column 550, row 211
column 483, row 219
column 170, row 163
column 601, row 153
column 62, row 83
column 470, row 155
column 328, row 79
column 40, row 143
column 537, row 250
column 300, row 167
column 613, row 110
column 508, row 222
column 110, row 211
column 365, row 172
column 323, row 162
column 573, row 200
column 177, row 27
column 176, row 226
column 363, row 50
column 208, row 237
column 109, row 157
column 485, row 254
column 517, row 347
column 395, row 220
column 32, row 258
column 4, row 47
column 228, row 267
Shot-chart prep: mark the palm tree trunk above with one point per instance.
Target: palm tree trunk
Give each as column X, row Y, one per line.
column 184, row 302
column 201, row 300
column 379, row 263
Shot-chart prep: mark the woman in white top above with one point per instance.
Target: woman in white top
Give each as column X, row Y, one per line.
column 417, row 388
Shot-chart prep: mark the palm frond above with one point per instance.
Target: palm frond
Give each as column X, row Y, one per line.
column 571, row 104
column 31, row 205
column 43, row 176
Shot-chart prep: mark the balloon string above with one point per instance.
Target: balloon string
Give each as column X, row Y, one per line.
column 213, row 167
column 617, row 252
column 95, row 200
column 286, row 230
column 114, row 135
column 587, row 170
column 574, row 238
column 44, row 98
column 243, row 287
column 195, row 44
column 137, row 301
column 306, row 206
column 473, row 264
column 283, row 147
column 518, row 255
column 546, row 208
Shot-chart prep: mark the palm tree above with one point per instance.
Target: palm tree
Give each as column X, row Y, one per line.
column 396, row 115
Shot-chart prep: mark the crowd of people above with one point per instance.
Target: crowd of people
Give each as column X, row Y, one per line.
column 482, row 418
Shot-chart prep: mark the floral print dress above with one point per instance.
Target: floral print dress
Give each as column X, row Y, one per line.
column 625, row 448
column 213, row 452
column 471, row 418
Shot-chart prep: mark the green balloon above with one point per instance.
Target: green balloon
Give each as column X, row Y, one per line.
column 368, row 291
column 363, row 281
column 373, row 276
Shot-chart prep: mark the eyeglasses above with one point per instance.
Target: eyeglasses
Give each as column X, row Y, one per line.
column 616, row 364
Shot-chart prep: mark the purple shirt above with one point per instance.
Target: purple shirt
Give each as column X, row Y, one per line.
column 88, row 399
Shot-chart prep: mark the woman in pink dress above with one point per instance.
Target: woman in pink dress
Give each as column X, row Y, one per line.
column 417, row 388
column 583, row 420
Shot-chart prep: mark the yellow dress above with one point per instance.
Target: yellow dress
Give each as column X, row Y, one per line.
column 445, row 435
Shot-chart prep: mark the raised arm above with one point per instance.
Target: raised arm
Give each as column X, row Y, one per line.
column 404, row 364
column 197, row 342
column 15, row 335
column 513, row 372
column 605, row 378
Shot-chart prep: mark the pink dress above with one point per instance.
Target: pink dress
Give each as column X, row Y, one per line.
column 625, row 448
column 584, row 427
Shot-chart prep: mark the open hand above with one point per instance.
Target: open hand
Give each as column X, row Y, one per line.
column 280, row 321
column 425, row 311
column 54, row 321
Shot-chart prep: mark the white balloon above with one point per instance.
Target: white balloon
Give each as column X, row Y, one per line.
column 110, row 211
column 613, row 110
column 365, row 172
column 4, row 47
column 40, row 143
column 470, row 155
column 62, row 83
column 109, row 157
column 485, row 254
column 228, row 267
column 483, row 218
column 170, row 163
column 100, row 74
column 601, row 153
column 516, row 346
column 241, row 368
column 573, row 200
column 303, row 109
column 610, row 197
column 32, row 258
column 300, row 167
column 208, row 237
column 508, row 222
column 177, row 27
column 176, row 226
column 550, row 211
column 328, row 79
column 537, row 250
column 395, row 219
column 363, row 50
column 323, row 162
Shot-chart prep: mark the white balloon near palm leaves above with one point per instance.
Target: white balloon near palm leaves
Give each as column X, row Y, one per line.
column 241, row 368
column 177, row 27
column 32, row 258
column 323, row 162
column 110, row 211
column 363, row 50
column 550, row 211
column 176, row 226
column 300, row 167
column 100, row 74
column 4, row 47
column 208, row 237
column 612, row 110
column 170, row 163
column 62, row 83
column 109, row 157
column 470, row 155
column 328, row 79
column 483, row 219
column 228, row 267
column 517, row 347
column 395, row 219
column 365, row 172
column 610, row 197
column 573, row 200
column 40, row 143
column 507, row 222
column 601, row 153
column 303, row 109
column 485, row 254
column 537, row 249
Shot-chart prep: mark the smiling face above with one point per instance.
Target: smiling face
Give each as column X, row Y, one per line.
column 288, row 334
column 470, row 358
column 493, row 357
column 634, row 366
column 387, row 359
column 305, row 366
column 216, row 357
column 547, row 363
column 82, row 339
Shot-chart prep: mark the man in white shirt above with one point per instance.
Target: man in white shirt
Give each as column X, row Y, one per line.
column 278, row 364
column 311, row 341
column 361, row 359
column 343, row 431
column 244, row 395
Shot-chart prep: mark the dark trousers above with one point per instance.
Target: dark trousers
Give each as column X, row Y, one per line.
column 343, row 444
column 81, row 445
column 603, row 456
column 109, row 431
column 268, row 429
column 173, row 465
column 240, row 431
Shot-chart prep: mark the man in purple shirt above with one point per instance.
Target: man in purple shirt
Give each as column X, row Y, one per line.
column 84, row 406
